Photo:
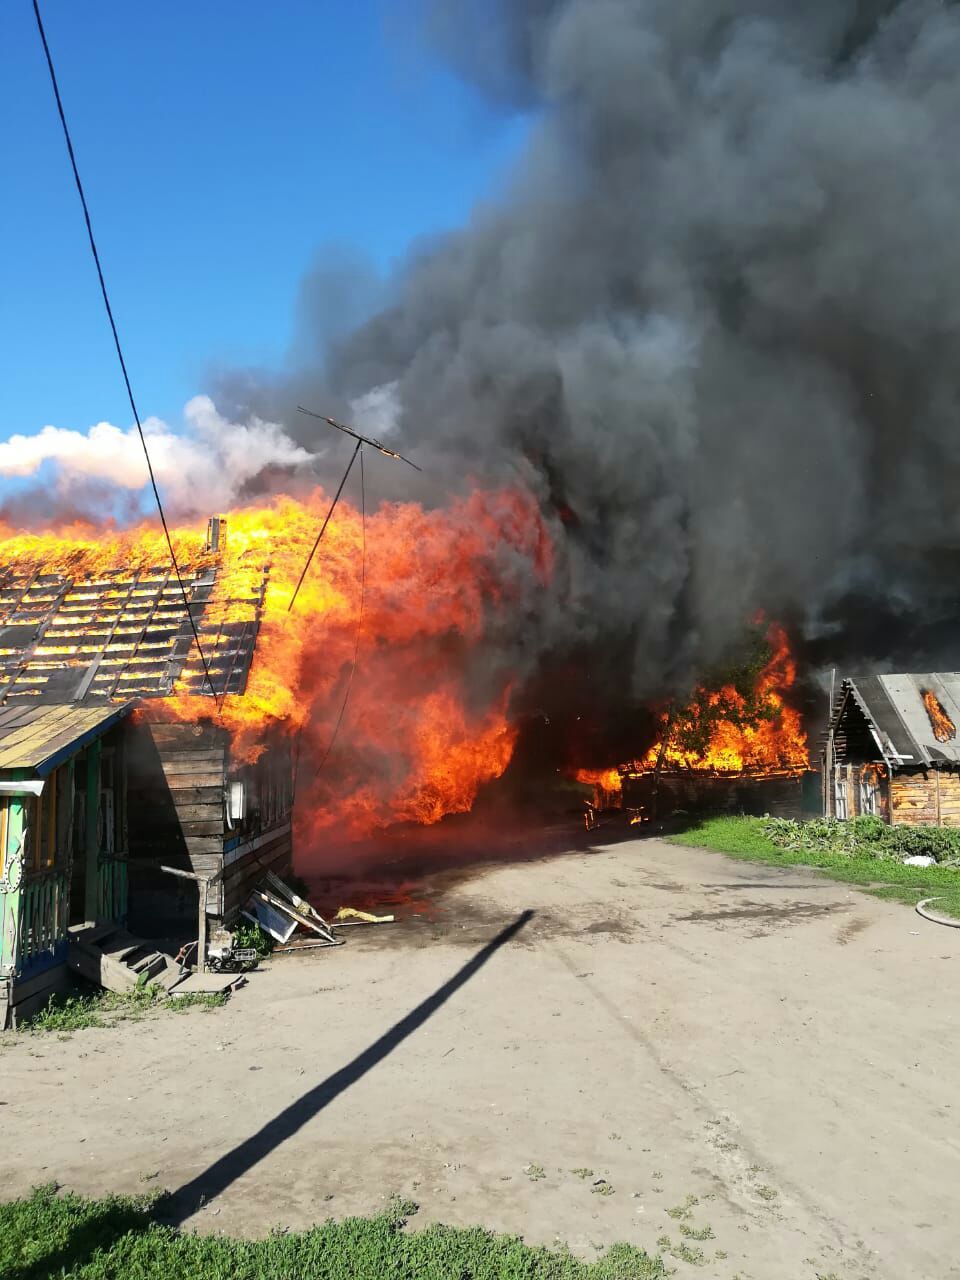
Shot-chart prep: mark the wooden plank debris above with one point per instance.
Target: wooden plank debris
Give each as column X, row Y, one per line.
column 301, row 904
column 303, row 944
column 297, row 916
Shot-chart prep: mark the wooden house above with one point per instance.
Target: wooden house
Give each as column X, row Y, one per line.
column 892, row 750
column 101, row 784
column 62, row 823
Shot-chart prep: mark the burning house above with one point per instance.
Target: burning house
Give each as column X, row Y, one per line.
column 892, row 750
column 736, row 746
column 112, row 757
column 122, row 750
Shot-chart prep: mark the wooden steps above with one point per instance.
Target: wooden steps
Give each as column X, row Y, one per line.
column 117, row 960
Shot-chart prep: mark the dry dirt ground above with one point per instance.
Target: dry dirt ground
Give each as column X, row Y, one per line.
column 778, row 1047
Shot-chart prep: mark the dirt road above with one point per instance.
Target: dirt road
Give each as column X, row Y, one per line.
column 766, row 1054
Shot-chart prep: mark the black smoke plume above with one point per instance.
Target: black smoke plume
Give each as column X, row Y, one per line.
column 712, row 322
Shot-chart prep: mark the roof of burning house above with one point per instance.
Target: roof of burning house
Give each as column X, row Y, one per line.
column 122, row 635
column 913, row 718
column 38, row 738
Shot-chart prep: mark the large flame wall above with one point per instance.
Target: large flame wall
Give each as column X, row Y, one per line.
column 426, row 723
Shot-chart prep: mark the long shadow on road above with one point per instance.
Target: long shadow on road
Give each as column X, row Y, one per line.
column 225, row 1171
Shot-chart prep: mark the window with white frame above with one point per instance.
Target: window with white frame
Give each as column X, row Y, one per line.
column 840, row 797
column 869, row 794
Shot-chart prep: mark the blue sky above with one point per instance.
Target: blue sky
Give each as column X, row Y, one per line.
column 224, row 145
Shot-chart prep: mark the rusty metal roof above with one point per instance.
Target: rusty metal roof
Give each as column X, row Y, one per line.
column 125, row 634
column 39, row 738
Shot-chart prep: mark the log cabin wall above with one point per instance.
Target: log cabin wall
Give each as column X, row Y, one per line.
column 913, row 799
column 925, row 798
column 949, row 798
column 176, row 780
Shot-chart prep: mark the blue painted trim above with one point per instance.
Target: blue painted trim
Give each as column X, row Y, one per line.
column 45, row 960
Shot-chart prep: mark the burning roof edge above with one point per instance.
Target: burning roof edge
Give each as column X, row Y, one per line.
column 893, row 706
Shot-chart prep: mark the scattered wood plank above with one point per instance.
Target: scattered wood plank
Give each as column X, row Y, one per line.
column 305, row 944
column 301, row 904
column 298, row 917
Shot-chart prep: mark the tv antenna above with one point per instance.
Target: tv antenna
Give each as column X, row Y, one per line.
column 361, row 441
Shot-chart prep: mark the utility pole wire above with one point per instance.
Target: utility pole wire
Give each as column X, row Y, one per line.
column 323, row 527
column 116, row 342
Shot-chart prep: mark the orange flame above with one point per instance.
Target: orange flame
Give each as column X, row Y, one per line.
column 607, row 786
column 759, row 735
column 417, row 740
column 944, row 730
column 607, row 779
column 771, row 740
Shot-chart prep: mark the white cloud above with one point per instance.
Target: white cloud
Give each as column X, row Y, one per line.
column 199, row 469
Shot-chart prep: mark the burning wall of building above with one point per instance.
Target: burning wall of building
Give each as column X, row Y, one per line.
column 743, row 728
column 426, row 723
column 704, row 323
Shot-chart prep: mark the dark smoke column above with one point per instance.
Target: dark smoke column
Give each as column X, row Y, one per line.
column 713, row 319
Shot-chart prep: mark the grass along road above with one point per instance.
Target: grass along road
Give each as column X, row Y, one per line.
column 750, row 839
column 121, row 1238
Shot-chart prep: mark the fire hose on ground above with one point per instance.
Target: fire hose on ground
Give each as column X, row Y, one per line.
column 935, row 919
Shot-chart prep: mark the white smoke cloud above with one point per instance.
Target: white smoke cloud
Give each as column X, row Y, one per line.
column 378, row 411
column 203, row 468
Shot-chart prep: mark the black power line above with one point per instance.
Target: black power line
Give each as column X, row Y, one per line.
column 116, row 340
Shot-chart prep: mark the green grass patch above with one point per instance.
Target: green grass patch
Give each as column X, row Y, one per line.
column 120, row 1238
column 851, row 863
column 66, row 1013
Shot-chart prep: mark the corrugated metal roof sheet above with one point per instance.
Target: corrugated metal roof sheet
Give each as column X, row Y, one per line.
column 41, row 737
column 895, row 708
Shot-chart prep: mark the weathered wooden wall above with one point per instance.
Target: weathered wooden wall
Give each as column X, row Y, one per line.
column 926, row 798
column 849, row 777
column 780, row 796
column 175, row 785
column 246, row 863
column 264, row 841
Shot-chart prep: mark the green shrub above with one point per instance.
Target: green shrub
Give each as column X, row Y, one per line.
column 864, row 837
column 248, row 934
column 869, row 828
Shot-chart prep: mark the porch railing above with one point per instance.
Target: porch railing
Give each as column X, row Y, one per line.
column 43, row 920
column 111, row 888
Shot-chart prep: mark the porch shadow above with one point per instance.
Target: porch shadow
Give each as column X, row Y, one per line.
column 223, row 1172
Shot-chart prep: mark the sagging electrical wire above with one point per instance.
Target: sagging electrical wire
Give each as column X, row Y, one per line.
column 116, row 343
